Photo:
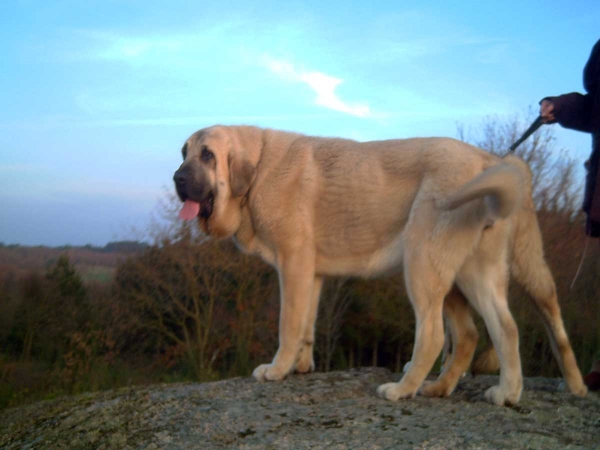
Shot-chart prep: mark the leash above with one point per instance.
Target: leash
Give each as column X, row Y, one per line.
column 538, row 122
column 587, row 241
column 532, row 129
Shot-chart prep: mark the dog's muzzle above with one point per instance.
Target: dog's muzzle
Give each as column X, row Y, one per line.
column 189, row 188
column 181, row 177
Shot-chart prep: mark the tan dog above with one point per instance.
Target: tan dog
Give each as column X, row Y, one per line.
column 449, row 213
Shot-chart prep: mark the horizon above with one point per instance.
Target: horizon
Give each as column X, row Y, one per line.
column 86, row 246
column 99, row 98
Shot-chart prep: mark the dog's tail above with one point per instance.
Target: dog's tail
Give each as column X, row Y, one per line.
column 501, row 186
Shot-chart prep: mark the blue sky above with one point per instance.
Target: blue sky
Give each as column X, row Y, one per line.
column 97, row 97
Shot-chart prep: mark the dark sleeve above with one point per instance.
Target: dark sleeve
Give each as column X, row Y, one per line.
column 573, row 110
column 591, row 72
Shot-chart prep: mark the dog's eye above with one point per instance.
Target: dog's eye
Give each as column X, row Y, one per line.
column 184, row 151
column 206, row 155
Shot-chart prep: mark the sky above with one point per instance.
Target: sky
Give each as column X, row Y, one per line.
column 97, row 97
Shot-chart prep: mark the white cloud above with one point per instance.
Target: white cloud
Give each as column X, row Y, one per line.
column 181, row 54
column 113, row 46
column 144, row 48
column 323, row 85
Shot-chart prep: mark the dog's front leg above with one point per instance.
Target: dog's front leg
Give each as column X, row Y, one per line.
column 296, row 281
column 306, row 362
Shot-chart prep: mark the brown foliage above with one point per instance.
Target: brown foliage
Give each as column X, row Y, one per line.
column 196, row 300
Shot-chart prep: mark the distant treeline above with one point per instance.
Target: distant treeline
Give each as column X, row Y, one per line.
column 111, row 247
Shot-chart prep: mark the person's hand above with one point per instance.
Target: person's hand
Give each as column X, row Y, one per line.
column 547, row 111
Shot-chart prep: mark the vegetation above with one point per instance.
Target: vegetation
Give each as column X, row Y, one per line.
column 186, row 308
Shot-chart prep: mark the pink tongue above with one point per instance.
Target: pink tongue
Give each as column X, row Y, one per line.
column 190, row 210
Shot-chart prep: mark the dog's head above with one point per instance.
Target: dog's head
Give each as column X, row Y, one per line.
column 219, row 166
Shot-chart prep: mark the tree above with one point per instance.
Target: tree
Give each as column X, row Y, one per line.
column 32, row 313
column 555, row 187
column 197, row 300
column 67, row 282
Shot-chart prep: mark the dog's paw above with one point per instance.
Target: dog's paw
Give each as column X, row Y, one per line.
column 394, row 391
column 305, row 362
column 579, row 386
column 500, row 397
column 268, row 372
column 435, row 389
column 578, row 390
column 305, row 366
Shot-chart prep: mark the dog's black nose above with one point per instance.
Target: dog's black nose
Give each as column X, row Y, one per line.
column 180, row 177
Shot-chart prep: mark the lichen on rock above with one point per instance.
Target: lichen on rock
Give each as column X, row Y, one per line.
column 337, row 410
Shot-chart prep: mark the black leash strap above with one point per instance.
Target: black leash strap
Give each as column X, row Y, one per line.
column 532, row 128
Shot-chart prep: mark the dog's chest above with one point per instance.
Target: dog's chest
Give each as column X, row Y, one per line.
column 250, row 243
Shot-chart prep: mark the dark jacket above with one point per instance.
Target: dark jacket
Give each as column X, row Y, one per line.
column 582, row 112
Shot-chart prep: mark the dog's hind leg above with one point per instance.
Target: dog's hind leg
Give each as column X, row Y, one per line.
column 426, row 289
column 484, row 283
column 531, row 271
column 459, row 319
column 305, row 362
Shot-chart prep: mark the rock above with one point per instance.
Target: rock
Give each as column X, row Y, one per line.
column 337, row 410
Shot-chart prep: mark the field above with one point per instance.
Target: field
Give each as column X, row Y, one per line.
column 94, row 264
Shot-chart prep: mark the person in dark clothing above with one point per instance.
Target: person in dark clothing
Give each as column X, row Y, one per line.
column 582, row 112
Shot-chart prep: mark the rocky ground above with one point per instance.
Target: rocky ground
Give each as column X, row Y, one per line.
column 337, row 410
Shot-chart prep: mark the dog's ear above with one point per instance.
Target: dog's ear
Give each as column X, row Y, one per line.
column 241, row 175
